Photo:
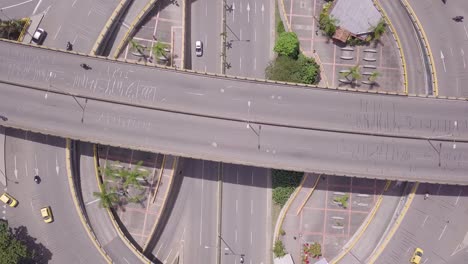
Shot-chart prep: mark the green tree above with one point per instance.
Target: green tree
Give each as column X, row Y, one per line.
column 107, row 198
column 287, row 45
column 11, row 29
column 354, row 72
column 373, row 76
column 159, row 49
column 303, row 70
column 328, row 24
column 278, row 249
column 12, row 251
column 379, row 30
column 137, row 47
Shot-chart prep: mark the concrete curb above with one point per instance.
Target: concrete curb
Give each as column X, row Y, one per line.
column 163, row 207
column 78, row 207
column 3, row 178
column 394, row 227
column 121, row 234
column 132, row 27
column 397, row 39
column 357, row 236
column 285, row 209
column 422, row 36
column 309, row 195
column 109, row 26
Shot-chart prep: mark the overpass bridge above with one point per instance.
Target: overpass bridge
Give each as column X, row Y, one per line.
column 232, row 120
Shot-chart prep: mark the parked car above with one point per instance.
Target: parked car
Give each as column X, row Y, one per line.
column 46, row 213
column 39, row 36
column 417, row 255
column 198, row 48
column 8, row 199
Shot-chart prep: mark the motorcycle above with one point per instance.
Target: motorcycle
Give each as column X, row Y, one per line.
column 69, row 46
column 37, row 179
column 458, row 18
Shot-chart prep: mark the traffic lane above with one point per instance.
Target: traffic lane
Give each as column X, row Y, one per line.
column 437, row 225
column 11, row 9
column 245, row 213
column 79, row 22
column 368, row 113
column 446, row 38
column 35, row 153
column 205, row 138
column 248, row 31
column 205, row 26
column 415, row 68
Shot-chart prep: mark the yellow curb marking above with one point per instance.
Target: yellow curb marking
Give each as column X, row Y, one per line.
column 309, row 195
column 395, row 226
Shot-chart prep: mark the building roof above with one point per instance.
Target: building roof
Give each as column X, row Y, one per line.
column 356, row 16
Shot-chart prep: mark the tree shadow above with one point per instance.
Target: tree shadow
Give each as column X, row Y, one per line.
column 39, row 253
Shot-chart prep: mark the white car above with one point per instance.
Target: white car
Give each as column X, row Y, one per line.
column 39, row 36
column 198, row 48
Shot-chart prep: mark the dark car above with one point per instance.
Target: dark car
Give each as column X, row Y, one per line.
column 39, row 36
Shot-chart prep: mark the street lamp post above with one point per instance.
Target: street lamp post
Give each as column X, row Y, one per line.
column 257, row 133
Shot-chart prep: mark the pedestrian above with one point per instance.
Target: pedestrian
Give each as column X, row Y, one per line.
column 426, row 195
column 294, row 237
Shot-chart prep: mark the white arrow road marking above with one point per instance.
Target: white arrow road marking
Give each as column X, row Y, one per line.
column 461, row 246
column 463, row 56
column 443, row 60
column 16, row 170
column 248, row 13
column 36, row 170
column 466, row 31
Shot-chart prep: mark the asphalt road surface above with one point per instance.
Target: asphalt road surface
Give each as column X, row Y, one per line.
column 250, row 37
column 246, row 216
column 205, row 25
column 190, row 231
column 231, row 141
column 65, row 240
column 447, row 39
column 246, row 101
column 437, row 225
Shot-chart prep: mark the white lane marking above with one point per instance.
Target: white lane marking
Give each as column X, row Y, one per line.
column 240, row 62
column 74, row 2
column 36, row 170
column 255, row 7
column 466, row 31
column 16, row 170
column 233, row 11
column 240, row 34
column 57, row 168
column 58, row 31
column 32, row 207
column 255, row 63
column 126, row 260
column 443, row 60
column 168, row 255
column 424, row 222
column 443, row 231
column 235, row 235
column 251, row 237
column 91, row 202
column 206, row 9
column 157, row 252
column 251, row 207
column 263, row 14
column 451, row 51
column 201, row 203
column 458, row 197
column 25, row 2
column 248, row 13
column 241, row 7
column 463, row 56
column 199, row 94
column 237, row 206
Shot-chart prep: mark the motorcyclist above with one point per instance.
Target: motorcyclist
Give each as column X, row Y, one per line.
column 84, row 66
column 69, row 46
column 458, row 18
column 37, row 179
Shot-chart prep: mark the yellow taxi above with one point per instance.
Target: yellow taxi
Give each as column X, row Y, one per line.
column 417, row 256
column 8, row 199
column 46, row 213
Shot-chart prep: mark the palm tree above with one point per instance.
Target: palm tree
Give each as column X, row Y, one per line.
column 107, row 199
column 353, row 72
column 159, row 49
column 137, row 46
column 328, row 24
column 373, row 76
column 379, row 29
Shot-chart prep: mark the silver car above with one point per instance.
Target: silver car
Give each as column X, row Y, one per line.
column 198, row 48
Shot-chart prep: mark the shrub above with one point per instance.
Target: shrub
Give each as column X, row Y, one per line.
column 278, row 249
column 303, row 70
column 287, row 45
column 284, row 183
column 280, row 27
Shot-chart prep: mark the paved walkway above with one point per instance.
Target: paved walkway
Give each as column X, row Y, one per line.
column 319, row 218
column 98, row 217
column 335, row 58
